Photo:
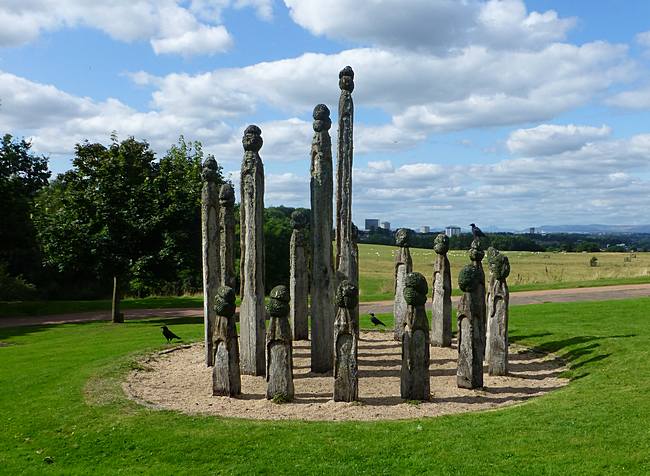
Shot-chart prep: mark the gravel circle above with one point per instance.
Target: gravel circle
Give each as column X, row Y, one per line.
column 179, row 380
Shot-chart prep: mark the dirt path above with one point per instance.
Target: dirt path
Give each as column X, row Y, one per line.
column 603, row 293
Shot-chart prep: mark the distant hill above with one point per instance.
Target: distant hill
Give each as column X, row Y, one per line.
column 609, row 229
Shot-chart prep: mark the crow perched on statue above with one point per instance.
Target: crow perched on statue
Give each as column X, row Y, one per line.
column 476, row 232
column 376, row 321
column 169, row 335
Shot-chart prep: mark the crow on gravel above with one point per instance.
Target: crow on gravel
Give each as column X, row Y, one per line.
column 376, row 321
column 169, row 335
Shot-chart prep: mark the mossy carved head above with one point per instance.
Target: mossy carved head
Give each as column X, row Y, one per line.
column 441, row 244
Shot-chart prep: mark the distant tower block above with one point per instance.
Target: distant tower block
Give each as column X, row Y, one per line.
column 452, row 230
column 371, row 224
column 252, row 315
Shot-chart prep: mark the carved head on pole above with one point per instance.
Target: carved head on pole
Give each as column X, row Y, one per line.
column 210, row 170
column 346, row 79
column 252, row 140
column 500, row 266
column 322, row 121
column 347, row 295
column 476, row 252
column 441, row 244
column 299, row 219
column 468, row 278
column 403, row 237
column 227, row 194
column 279, row 298
column 415, row 289
column 224, row 301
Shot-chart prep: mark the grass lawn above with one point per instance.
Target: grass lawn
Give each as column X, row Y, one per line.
column 530, row 271
column 63, row 411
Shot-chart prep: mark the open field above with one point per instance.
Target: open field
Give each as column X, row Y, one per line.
column 64, row 411
column 530, row 270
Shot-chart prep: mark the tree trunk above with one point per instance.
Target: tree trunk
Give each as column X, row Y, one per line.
column 116, row 316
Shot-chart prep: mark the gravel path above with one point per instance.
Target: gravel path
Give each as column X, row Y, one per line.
column 603, row 293
column 179, row 380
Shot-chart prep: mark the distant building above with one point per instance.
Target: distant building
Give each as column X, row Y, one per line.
column 425, row 229
column 372, row 224
column 531, row 230
column 452, row 230
column 385, row 225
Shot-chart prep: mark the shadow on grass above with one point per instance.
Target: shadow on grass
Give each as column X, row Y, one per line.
column 572, row 350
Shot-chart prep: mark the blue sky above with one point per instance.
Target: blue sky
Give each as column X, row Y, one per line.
column 505, row 113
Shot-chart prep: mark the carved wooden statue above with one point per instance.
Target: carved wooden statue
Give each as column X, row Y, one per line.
column 210, row 247
column 476, row 255
column 299, row 275
column 227, row 235
column 252, row 315
column 279, row 354
column 226, row 379
column 403, row 266
column 469, row 373
column 441, row 302
column 346, row 373
column 322, row 268
column 498, row 302
column 414, row 377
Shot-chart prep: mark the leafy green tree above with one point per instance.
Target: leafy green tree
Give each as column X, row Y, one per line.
column 106, row 212
column 22, row 175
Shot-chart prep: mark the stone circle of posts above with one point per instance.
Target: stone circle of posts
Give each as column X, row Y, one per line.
column 324, row 286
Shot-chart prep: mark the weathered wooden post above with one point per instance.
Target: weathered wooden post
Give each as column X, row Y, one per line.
column 403, row 266
column 498, row 302
column 476, row 255
column 345, row 259
column 414, row 377
column 441, row 301
column 346, row 333
column 469, row 373
column 279, row 354
column 322, row 269
column 227, row 235
column 299, row 275
column 252, row 315
column 210, row 241
column 226, row 379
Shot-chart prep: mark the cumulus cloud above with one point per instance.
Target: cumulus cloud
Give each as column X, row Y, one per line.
column 638, row 99
column 548, row 139
column 171, row 26
column 433, row 25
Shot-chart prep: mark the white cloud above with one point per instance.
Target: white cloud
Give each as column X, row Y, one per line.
column 548, row 139
column 205, row 39
column 643, row 39
column 170, row 25
column 638, row 99
column 434, row 25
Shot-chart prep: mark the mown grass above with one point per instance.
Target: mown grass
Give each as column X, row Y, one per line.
column 530, row 271
column 63, row 411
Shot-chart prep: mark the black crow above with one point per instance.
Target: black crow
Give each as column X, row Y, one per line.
column 476, row 232
column 169, row 335
column 376, row 321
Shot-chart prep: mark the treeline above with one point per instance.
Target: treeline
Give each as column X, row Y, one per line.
column 119, row 214
column 573, row 242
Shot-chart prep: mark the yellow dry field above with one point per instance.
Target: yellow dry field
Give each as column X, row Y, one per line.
column 529, row 270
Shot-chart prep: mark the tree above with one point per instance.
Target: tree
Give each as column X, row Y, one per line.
column 22, row 175
column 105, row 212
